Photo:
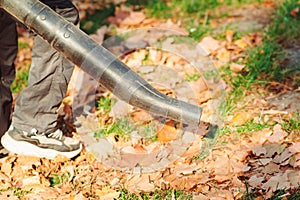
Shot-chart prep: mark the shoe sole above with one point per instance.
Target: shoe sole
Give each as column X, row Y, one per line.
column 25, row 148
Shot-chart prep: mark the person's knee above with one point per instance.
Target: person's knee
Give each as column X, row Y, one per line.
column 70, row 13
column 64, row 8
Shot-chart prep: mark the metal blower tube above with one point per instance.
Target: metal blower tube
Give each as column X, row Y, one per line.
column 98, row 62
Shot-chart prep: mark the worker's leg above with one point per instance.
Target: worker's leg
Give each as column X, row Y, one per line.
column 33, row 131
column 8, row 52
column 36, row 107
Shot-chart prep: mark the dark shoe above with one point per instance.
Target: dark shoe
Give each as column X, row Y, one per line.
column 40, row 144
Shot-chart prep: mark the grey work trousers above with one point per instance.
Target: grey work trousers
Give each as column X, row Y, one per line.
column 49, row 75
column 8, row 52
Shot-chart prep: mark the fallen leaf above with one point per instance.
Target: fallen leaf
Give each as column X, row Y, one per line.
column 277, row 182
column 295, row 147
column 229, row 35
column 278, row 134
column 139, row 183
column 223, row 55
column 141, row 116
column 281, row 158
column 236, row 67
column 200, row 197
column 186, row 169
column 209, row 45
column 241, row 118
column 294, row 178
column 261, row 136
column 264, row 161
column 271, row 168
column 259, row 150
column 255, row 181
column 273, row 148
column 241, row 43
column 134, row 18
column 167, row 133
column 294, row 12
column 107, row 193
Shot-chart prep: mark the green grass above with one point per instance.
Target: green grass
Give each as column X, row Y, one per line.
column 16, row 191
column 278, row 195
column 156, row 195
column 58, row 179
column 122, row 128
column 285, row 27
column 105, row 104
column 265, row 61
column 97, row 19
column 240, row 86
column 292, row 124
column 251, row 126
column 21, row 80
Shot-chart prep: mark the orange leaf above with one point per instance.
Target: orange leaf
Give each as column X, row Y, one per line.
column 167, row 133
column 294, row 12
column 236, row 67
column 229, row 35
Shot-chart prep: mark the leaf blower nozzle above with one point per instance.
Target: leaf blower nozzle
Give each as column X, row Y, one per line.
column 98, row 62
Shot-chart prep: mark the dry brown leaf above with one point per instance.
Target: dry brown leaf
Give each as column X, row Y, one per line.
column 241, row 43
column 141, row 116
column 167, row 133
column 271, row 168
column 277, row 182
column 259, row 150
column 241, row 118
column 222, row 169
column 107, row 193
column 134, row 18
column 278, row 134
column 261, row 136
column 236, row 67
column 294, row 178
column 139, row 183
column 199, row 85
column 255, row 181
column 264, row 161
column 229, row 35
column 284, row 156
column 295, row 161
column 295, row 147
column 200, row 197
column 31, row 180
column 274, row 148
column 209, row 45
column 186, row 169
column 174, row 28
column 223, row 55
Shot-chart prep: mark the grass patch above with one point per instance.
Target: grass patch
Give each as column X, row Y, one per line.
column 122, row 128
column 93, row 21
column 241, row 85
column 58, row 179
column 251, row 126
column 157, row 195
column 104, row 104
column 265, row 61
column 21, row 80
column 16, row 192
column 285, row 26
column 292, row 124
